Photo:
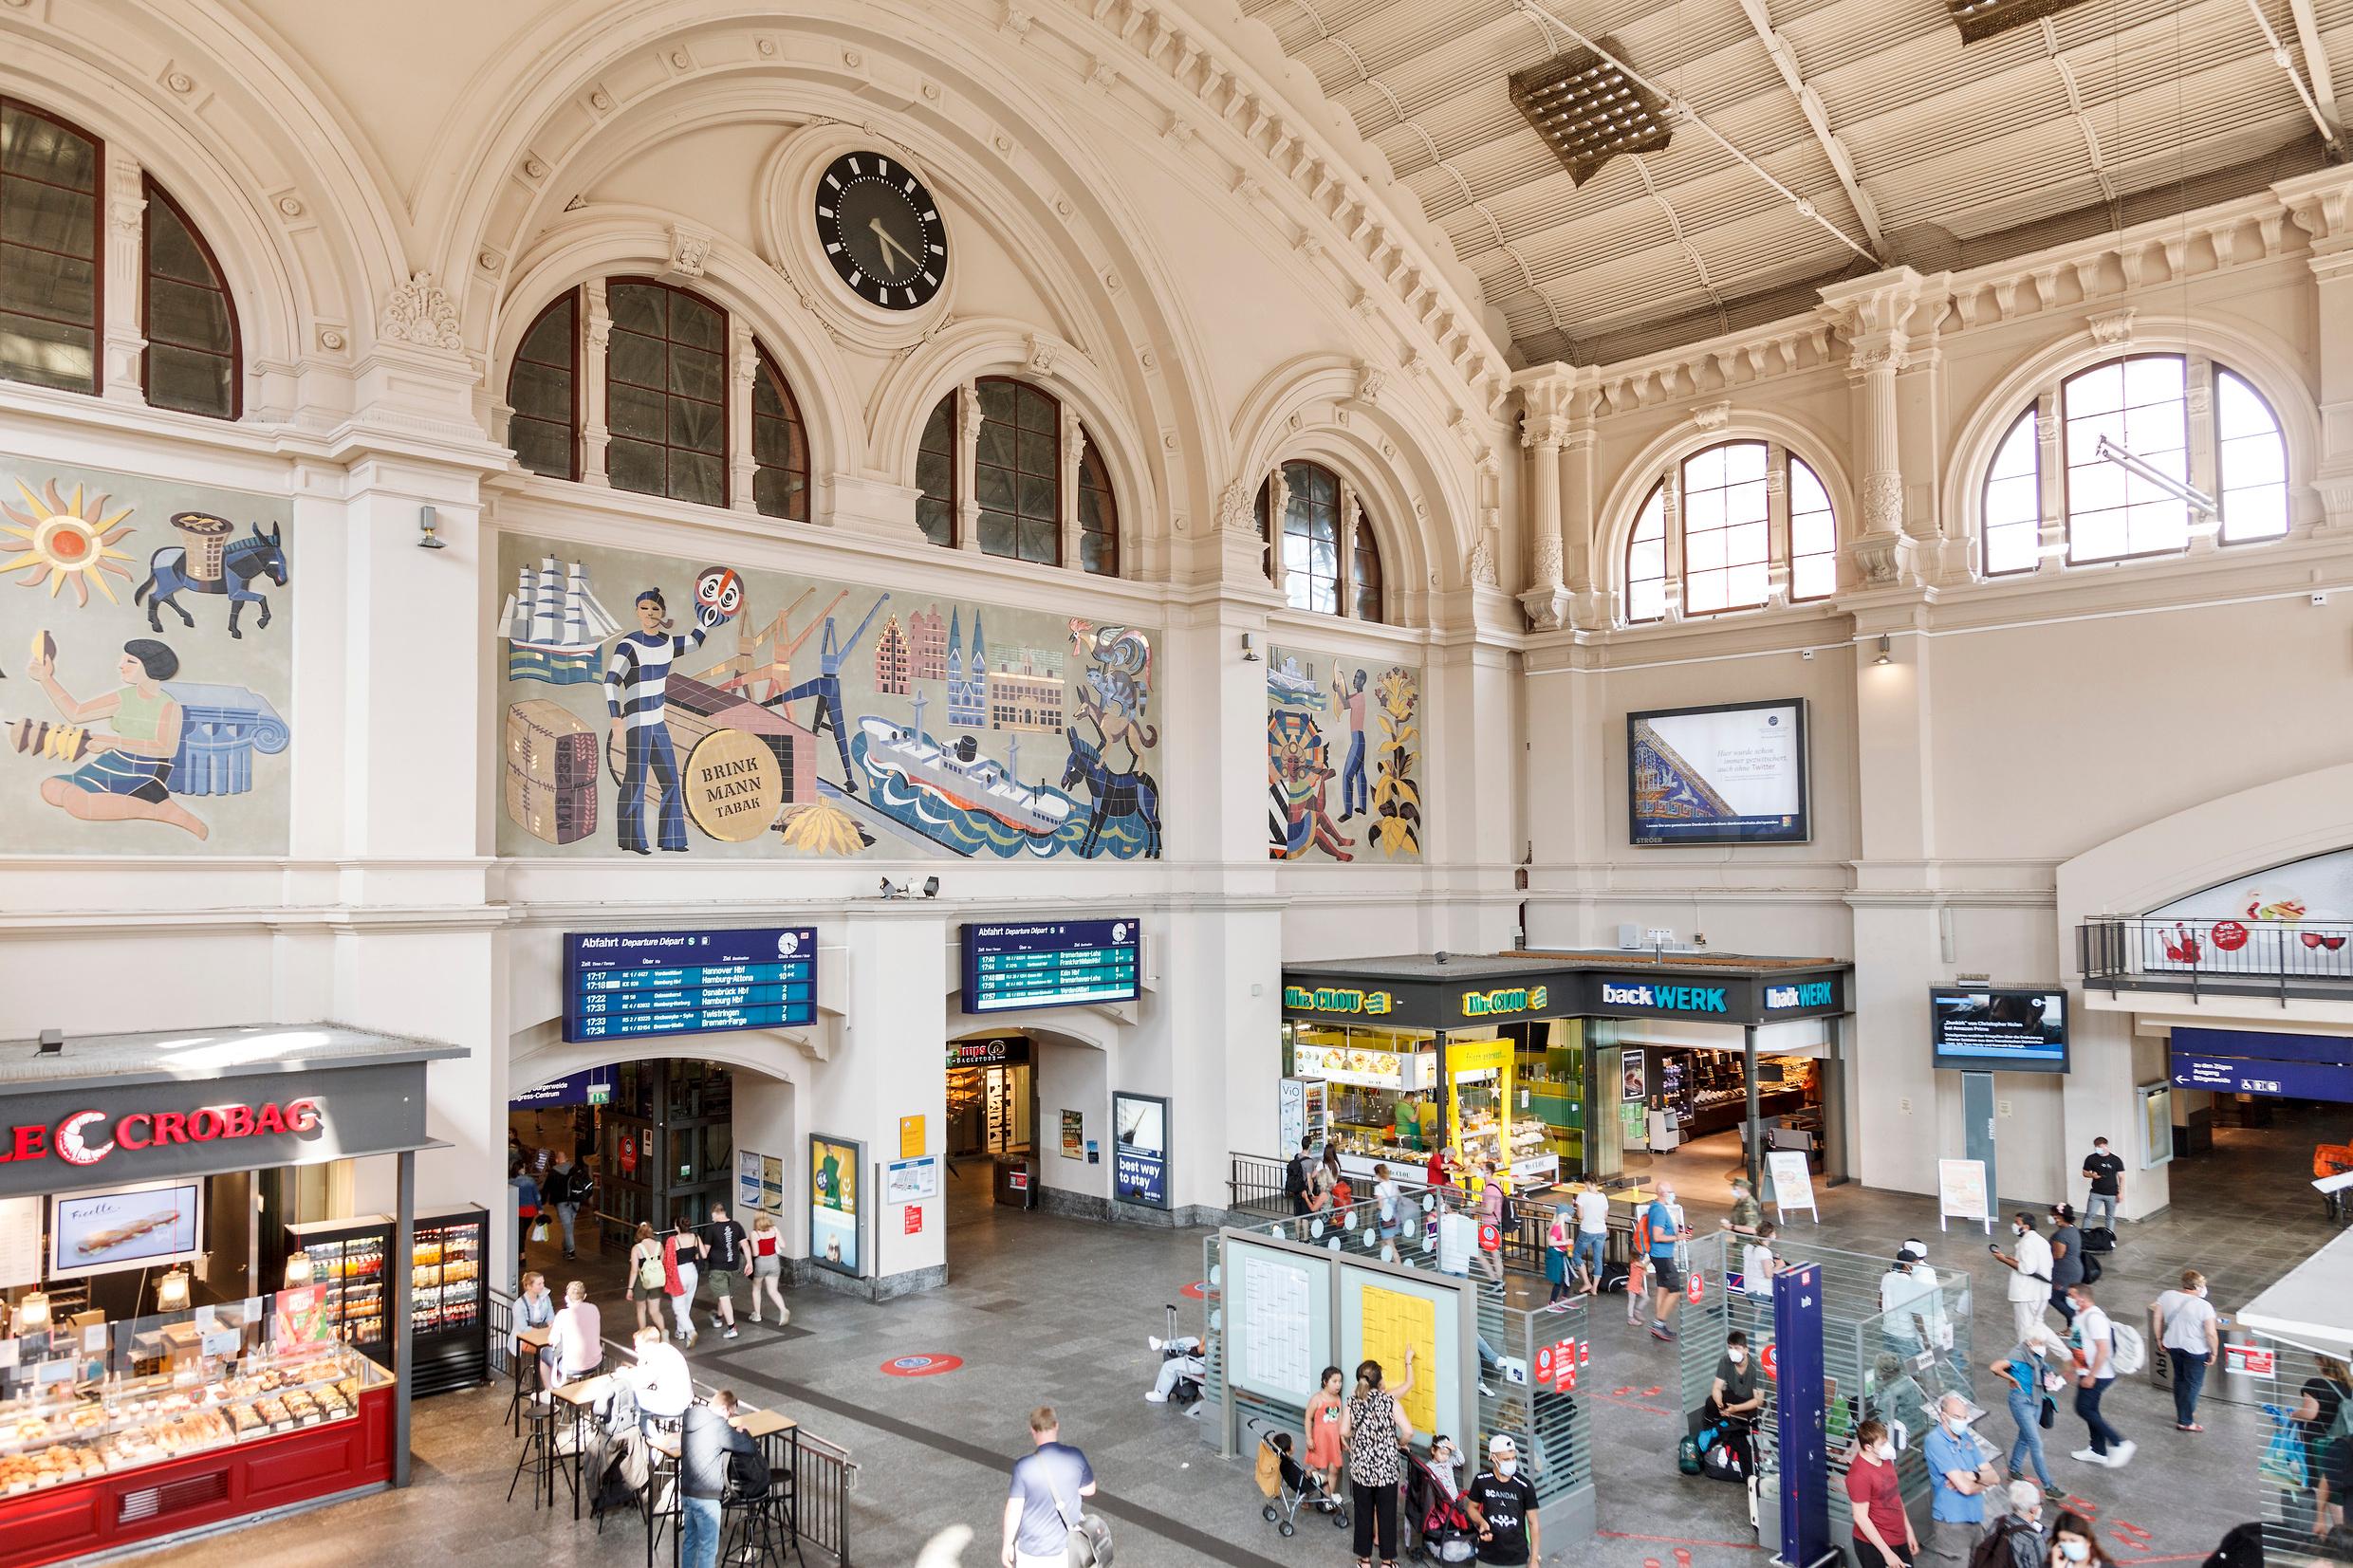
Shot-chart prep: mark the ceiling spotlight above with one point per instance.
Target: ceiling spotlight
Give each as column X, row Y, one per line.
column 1887, row 650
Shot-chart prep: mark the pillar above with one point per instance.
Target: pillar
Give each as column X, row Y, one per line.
column 2322, row 204
column 1278, row 504
column 743, row 375
column 968, row 443
column 1543, row 430
column 1351, row 519
column 122, row 353
column 596, row 334
column 1872, row 314
column 1072, row 456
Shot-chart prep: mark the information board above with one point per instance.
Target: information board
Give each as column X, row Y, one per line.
column 1050, row 964
column 1279, row 1333
column 1999, row 1029
column 1730, row 774
column 1961, row 1192
column 624, row 984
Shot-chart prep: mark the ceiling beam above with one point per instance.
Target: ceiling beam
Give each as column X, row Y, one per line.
column 1810, row 104
column 2315, row 56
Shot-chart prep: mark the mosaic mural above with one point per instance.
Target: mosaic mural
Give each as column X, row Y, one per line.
column 145, row 665
column 1341, row 726
column 652, row 704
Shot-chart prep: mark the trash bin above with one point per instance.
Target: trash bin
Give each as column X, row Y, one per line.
column 1016, row 1181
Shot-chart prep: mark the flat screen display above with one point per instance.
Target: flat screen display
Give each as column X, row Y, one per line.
column 1050, row 964
column 1996, row 1029
column 1730, row 774
column 127, row 1227
column 625, row 985
column 1140, row 1149
column 834, row 1230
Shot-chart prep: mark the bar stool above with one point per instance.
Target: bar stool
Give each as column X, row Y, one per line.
column 523, row 1394
column 753, row 1531
column 538, row 1453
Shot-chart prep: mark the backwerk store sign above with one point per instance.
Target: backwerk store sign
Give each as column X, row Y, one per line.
column 55, row 1139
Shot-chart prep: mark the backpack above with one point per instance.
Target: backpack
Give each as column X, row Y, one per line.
column 1343, row 1195
column 1992, row 1551
column 1687, row 1455
column 2127, row 1352
column 1295, row 1177
column 2093, row 1269
column 1509, row 1219
column 747, row 1473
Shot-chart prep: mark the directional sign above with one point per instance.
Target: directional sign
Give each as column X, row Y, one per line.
column 2290, row 1080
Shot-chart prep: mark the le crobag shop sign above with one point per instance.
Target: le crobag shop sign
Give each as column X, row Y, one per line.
column 76, row 1134
column 87, row 1137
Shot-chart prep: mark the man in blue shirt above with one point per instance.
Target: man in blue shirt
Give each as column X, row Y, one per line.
column 1665, row 1223
column 1961, row 1476
column 1045, row 1499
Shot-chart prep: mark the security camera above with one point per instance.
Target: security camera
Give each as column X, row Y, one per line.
column 2319, row 599
column 931, row 887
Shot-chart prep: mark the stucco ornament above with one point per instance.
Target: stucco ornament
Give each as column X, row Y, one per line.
column 1234, row 511
column 420, row 312
column 1483, row 561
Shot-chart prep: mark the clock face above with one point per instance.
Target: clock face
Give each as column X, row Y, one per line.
column 881, row 231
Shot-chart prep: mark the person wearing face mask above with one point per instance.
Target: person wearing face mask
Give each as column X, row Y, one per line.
column 2183, row 1321
column 2029, row 1276
column 1884, row 1536
column 2095, row 1349
column 1959, row 1476
column 1504, row 1506
column 2020, row 1531
column 2067, row 1261
column 2075, row 1543
column 2106, row 1175
column 2022, row 1377
column 1735, row 1400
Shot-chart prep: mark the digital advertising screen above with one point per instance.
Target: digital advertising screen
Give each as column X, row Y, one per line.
column 1050, row 964
column 1140, row 1149
column 1732, row 774
column 127, row 1227
column 1996, row 1029
column 833, row 1203
column 626, row 985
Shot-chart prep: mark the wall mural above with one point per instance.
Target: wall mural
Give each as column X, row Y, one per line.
column 655, row 704
column 145, row 665
column 1338, row 723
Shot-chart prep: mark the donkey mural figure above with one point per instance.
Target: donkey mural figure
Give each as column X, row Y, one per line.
column 1116, row 796
column 256, row 556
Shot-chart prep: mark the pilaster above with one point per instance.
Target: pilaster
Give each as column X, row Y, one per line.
column 596, row 436
column 742, row 374
column 2322, row 204
column 1874, row 315
column 967, row 445
column 123, row 359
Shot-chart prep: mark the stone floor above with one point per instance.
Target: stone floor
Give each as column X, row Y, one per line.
column 1043, row 1309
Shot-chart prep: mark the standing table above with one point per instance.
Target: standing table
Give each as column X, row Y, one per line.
column 580, row 1397
column 528, row 1342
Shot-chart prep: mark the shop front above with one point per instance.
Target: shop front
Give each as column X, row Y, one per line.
column 1555, row 1064
column 153, row 1379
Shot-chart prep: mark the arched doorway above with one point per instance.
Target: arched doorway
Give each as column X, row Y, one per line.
column 1027, row 1129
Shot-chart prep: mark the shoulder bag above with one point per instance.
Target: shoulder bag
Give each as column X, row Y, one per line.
column 1090, row 1538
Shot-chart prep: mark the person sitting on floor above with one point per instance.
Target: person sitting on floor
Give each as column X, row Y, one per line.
column 1180, row 1359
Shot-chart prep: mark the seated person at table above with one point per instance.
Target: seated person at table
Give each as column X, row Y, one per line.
column 575, row 1345
column 534, row 1307
column 705, row 1442
column 664, row 1386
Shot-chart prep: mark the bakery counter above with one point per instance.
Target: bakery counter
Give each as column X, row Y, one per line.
column 138, row 1477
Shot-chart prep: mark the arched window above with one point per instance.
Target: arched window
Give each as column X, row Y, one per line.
column 188, row 319
column 54, row 266
column 2143, row 467
column 1721, row 525
column 779, row 446
column 665, row 370
column 543, row 388
column 1024, row 510
column 1322, row 569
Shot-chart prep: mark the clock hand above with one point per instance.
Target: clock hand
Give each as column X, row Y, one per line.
column 888, row 243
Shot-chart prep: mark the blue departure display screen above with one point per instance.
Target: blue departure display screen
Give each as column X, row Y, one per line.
column 626, row 985
column 1048, row 964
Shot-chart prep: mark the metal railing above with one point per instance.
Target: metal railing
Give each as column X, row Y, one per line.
column 2226, row 957
column 824, row 1474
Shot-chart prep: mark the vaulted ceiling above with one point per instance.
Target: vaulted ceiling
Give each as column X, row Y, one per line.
column 1916, row 147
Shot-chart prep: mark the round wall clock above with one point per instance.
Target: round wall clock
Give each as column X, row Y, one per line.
column 881, row 231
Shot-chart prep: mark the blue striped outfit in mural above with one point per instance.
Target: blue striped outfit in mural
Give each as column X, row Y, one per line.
column 636, row 684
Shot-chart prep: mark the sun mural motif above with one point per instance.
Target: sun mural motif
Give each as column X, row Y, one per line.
column 60, row 542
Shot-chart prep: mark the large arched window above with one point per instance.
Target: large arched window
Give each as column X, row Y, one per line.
column 1041, row 492
column 1329, row 556
column 2156, row 450
column 54, row 266
column 1713, row 534
column 669, row 400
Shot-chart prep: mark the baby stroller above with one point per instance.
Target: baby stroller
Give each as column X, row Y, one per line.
column 1291, row 1487
column 1437, row 1526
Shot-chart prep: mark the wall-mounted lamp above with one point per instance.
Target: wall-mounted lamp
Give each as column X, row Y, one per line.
column 171, row 1291
column 32, row 1312
column 1250, row 648
column 426, row 520
column 1887, row 650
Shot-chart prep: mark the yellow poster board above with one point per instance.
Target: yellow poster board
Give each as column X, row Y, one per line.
column 910, row 1137
column 1394, row 1321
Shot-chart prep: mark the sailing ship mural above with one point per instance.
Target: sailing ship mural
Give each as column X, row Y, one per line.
column 1344, row 748
column 922, row 726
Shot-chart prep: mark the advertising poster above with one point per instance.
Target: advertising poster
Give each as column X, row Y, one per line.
column 910, row 1137
column 20, row 1241
column 1734, row 774
column 2292, row 919
column 746, row 1181
column 301, row 1317
column 1140, row 1149
column 2157, row 1125
column 1631, row 1075
column 1962, row 1190
column 771, row 1184
column 130, row 1227
column 1074, row 1134
column 2000, row 1031
column 833, row 1203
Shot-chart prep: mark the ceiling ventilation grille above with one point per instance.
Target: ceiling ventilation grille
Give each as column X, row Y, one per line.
column 1984, row 18
column 1588, row 111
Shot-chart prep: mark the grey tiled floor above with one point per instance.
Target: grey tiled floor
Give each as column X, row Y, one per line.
column 1050, row 1310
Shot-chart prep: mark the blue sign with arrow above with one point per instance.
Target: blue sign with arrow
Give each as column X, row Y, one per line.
column 2288, row 1079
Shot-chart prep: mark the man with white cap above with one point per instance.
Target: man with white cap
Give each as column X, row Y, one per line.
column 1503, row 1506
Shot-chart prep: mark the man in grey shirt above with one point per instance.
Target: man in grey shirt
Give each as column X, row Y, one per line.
column 1045, row 1499
column 706, row 1438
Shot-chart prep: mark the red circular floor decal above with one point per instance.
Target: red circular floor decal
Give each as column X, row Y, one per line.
column 1198, row 1290
column 920, row 1366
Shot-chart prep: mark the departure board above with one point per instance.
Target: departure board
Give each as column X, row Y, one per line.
column 1048, row 964
column 624, row 984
